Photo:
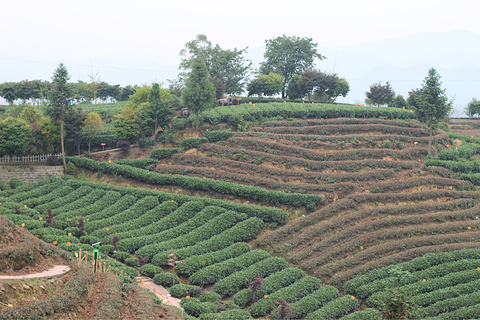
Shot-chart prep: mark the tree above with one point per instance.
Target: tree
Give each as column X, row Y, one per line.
column 340, row 88
column 158, row 108
column 228, row 66
column 15, row 135
column 266, row 84
column 288, row 56
column 92, row 127
column 295, row 89
column 127, row 124
column 473, row 108
column 380, row 94
column 320, row 84
column 432, row 103
column 398, row 102
column 199, row 93
column 59, row 102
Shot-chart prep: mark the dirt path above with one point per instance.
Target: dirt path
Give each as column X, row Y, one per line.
column 55, row 271
column 159, row 291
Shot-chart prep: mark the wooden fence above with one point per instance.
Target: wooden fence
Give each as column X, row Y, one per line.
column 88, row 259
column 27, row 159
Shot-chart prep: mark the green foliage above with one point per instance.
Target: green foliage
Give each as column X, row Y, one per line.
column 15, row 135
column 215, row 272
column 217, row 135
column 334, row 309
column 381, row 94
column 288, row 56
column 271, row 284
column 235, row 314
column 199, row 93
column 182, row 290
column 138, row 163
column 127, row 124
column 473, row 108
column 239, row 279
column 310, row 303
column 163, row 153
column 150, row 270
column 210, row 296
column 266, row 84
column 190, row 143
column 292, row 293
column 121, row 256
column 366, row 314
column 165, row 279
column 197, row 262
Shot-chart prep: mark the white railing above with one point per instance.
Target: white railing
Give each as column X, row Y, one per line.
column 27, row 159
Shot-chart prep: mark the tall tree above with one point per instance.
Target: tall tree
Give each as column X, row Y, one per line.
column 228, row 66
column 380, row 94
column 127, row 124
column 199, row 93
column 319, row 84
column 432, row 104
column 59, row 102
column 158, row 108
column 266, row 84
column 288, row 56
column 295, row 89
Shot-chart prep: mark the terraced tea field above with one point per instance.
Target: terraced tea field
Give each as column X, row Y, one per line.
column 337, row 202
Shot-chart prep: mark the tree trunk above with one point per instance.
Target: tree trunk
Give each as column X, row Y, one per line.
column 196, row 125
column 89, row 142
column 63, row 148
column 430, row 140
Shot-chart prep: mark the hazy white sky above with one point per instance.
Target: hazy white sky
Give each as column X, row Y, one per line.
column 125, row 36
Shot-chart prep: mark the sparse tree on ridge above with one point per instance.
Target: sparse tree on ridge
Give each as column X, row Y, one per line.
column 288, row 56
column 92, row 126
column 473, row 108
column 59, row 102
column 199, row 93
column 380, row 94
column 432, row 103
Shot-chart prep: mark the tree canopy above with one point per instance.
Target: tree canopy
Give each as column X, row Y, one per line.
column 380, row 94
column 228, row 66
column 288, row 56
column 432, row 102
column 15, row 135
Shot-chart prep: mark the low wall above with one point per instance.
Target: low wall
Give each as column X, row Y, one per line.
column 29, row 173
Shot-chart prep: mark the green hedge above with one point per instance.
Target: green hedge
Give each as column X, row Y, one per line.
column 334, row 309
column 182, row 290
column 271, row 284
column 189, row 143
column 208, row 230
column 138, row 163
column 292, row 293
column 217, row 135
column 162, row 153
column 236, row 281
column 235, row 314
column 193, row 183
column 143, row 219
column 195, row 263
column 465, row 152
column 150, row 270
column 242, row 231
column 310, row 303
column 366, row 314
column 194, row 307
column 165, row 279
column 218, row 271
column 189, row 216
column 301, row 110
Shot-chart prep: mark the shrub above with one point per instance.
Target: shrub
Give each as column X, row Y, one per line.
column 124, row 145
column 182, row 290
column 210, row 296
column 163, row 153
column 4, row 185
column 194, row 307
column 121, row 256
column 165, row 279
column 131, row 262
column 15, row 183
column 150, row 270
column 190, row 143
column 217, row 135
column 52, row 160
column 366, row 314
column 89, row 239
column 235, row 314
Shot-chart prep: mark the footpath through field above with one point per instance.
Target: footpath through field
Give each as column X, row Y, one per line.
column 159, row 291
column 55, row 271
